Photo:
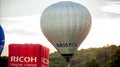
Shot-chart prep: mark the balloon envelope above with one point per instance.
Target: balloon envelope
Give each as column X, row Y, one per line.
column 1, row 39
column 66, row 24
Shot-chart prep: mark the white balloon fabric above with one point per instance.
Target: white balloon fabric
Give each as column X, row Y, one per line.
column 66, row 24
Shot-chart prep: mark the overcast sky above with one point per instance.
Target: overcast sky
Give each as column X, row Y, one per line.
column 20, row 20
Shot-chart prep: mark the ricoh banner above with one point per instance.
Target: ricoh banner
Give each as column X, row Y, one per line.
column 28, row 55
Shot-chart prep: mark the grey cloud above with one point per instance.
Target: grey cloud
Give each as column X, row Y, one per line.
column 96, row 10
column 5, row 22
column 15, row 27
column 21, row 32
column 13, row 8
column 112, row 14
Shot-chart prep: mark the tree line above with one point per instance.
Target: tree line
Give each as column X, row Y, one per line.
column 107, row 56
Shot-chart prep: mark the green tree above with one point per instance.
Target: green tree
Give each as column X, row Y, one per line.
column 3, row 61
column 92, row 57
column 92, row 63
column 56, row 60
column 114, row 59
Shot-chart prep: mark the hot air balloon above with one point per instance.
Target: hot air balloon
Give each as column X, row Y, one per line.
column 2, row 38
column 66, row 24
